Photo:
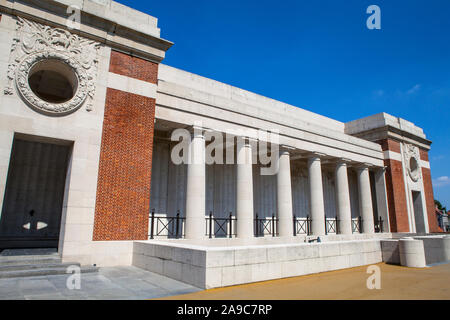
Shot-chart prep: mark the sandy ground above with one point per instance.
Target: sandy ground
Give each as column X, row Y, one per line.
column 396, row 283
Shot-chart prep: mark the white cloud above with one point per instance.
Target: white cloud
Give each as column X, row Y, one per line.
column 378, row 93
column 441, row 181
column 414, row 89
column 437, row 158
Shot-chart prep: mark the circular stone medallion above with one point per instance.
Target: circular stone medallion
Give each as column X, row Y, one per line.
column 52, row 83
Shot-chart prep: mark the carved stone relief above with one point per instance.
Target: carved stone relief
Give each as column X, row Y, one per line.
column 412, row 158
column 35, row 43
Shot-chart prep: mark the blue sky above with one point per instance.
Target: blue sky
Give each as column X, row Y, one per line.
column 319, row 55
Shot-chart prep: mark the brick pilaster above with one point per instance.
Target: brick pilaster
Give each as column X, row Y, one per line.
column 123, row 191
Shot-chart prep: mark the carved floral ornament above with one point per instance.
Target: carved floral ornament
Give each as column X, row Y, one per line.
column 412, row 157
column 36, row 43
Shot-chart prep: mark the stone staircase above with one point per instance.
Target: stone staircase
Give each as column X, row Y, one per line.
column 33, row 263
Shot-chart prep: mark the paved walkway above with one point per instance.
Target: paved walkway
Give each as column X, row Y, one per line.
column 119, row 283
column 396, row 283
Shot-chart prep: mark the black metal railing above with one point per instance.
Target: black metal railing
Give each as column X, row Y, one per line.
column 220, row 227
column 302, row 226
column 331, row 226
column 266, row 226
column 170, row 227
column 379, row 225
column 357, row 225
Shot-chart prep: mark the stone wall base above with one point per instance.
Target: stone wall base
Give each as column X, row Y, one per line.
column 213, row 267
column 416, row 251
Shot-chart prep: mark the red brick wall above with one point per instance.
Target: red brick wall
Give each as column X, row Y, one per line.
column 429, row 198
column 424, row 155
column 391, row 145
column 123, row 190
column 395, row 187
column 133, row 67
column 398, row 214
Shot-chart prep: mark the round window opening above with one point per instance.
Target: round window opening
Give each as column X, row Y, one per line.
column 53, row 81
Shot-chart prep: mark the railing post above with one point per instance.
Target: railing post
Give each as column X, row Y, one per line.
column 273, row 225
column 326, row 227
column 308, row 226
column 381, row 224
column 336, row 226
column 360, row 224
column 231, row 225
column 210, row 224
column 295, row 226
column 257, row 225
column 177, row 224
column 152, row 225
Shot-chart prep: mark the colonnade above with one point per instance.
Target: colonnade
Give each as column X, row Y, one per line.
column 196, row 183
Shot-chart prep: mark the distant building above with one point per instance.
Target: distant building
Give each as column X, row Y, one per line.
column 445, row 222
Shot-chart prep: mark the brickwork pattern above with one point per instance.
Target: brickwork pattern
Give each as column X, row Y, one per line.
column 390, row 145
column 424, row 155
column 133, row 67
column 124, row 179
column 123, row 191
column 395, row 187
column 429, row 199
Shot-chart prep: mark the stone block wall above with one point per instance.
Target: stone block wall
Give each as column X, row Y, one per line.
column 435, row 249
column 213, row 267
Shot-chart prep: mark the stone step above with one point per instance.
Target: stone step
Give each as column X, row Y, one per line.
column 28, row 260
column 42, row 272
column 42, row 265
column 29, row 252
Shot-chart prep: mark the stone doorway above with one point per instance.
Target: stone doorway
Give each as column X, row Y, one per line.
column 34, row 195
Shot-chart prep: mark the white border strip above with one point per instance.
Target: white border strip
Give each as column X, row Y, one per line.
column 392, row 155
column 131, row 85
column 397, row 156
column 425, row 164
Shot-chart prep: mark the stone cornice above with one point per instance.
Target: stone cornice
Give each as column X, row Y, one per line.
column 389, row 132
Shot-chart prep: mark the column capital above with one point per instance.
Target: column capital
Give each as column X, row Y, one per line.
column 381, row 169
column 343, row 161
column 285, row 148
column 197, row 131
column 247, row 140
column 363, row 166
column 315, row 156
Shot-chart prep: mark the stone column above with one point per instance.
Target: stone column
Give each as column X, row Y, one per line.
column 316, row 195
column 382, row 204
column 344, row 212
column 244, row 192
column 195, row 191
column 365, row 200
column 284, row 195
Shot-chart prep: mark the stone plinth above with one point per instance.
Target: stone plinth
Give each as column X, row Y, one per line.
column 219, row 266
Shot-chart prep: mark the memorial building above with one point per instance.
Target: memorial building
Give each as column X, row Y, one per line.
column 91, row 120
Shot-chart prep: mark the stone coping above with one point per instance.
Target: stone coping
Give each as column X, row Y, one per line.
column 222, row 247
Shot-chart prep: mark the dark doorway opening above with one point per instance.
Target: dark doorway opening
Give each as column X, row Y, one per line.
column 418, row 212
column 34, row 195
